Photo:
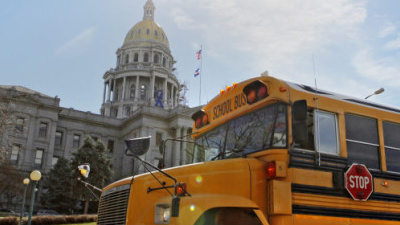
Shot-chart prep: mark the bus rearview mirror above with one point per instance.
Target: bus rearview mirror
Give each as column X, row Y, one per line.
column 138, row 146
column 300, row 110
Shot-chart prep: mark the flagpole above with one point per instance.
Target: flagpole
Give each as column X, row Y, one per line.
column 201, row 70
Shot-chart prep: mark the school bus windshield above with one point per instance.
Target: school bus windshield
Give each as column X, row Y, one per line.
column 256, row 131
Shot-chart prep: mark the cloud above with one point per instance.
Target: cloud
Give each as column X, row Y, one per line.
column 389, row 29
column 78, row 42
column 393, row 44
column 377, row 68
column 262, row 29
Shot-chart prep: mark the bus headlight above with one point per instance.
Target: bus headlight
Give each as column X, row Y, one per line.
column 162, row 214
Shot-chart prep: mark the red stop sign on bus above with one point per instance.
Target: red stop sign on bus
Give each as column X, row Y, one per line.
column 358, row 182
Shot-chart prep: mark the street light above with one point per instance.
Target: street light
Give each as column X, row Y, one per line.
column 26, row 182
column 377, row 92
column 35, row 177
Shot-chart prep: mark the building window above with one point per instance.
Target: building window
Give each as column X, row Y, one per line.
column 158, row 138
column 391, row 134
column 143, row 90
column 43, row 130
column 132, row 91
column 156, row 33
column 54, row 161
column 58, row 138
column 146, row 57
column 39, row 158
column 114, row 112
column 19, row 124
column 164, row 62
column 362, row 141
column 148, row 31
column 15, row 149
column 156, row 58
column 76, row 141
column 127, row 110
column 126, row 58
column 136, row 57
column 110, row 145
column 139, row 31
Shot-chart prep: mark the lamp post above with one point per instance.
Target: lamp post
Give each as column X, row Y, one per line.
column 35, row 177
column 377, row 92
column 26, row 182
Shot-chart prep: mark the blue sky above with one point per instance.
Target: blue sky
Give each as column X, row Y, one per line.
column 62, row 48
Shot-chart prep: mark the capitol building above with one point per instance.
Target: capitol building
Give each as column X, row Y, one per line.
column 141, row 97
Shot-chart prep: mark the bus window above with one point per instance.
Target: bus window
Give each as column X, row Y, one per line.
column 362, row 141
column 324, row 124
column 391, row 134
column 256, row 131
column 327, row 138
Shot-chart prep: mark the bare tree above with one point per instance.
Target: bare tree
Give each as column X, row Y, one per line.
column 11, row 185
column 7, row 123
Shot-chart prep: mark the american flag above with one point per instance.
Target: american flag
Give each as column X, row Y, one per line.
column 198, row 54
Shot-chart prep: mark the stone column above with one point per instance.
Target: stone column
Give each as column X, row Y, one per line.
column 173, row 95
column 114, row 88
column 137, row 97
column 176, row 150
column 184, row 144
column 109, row 91
column 123, row 89
column 152, row 81
column 104, row 92
column 165, row 92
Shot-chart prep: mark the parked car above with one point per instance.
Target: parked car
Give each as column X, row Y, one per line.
column 47, row 212
column 7, row 212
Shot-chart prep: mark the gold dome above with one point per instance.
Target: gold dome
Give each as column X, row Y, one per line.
column 146, row 31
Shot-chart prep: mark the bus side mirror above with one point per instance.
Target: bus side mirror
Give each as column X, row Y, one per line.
column 299, row 109
column 137, row 146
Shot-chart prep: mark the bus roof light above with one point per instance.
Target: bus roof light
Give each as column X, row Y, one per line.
column 228, row 88
column 234, row 85
column 204, row 120
column 251, row 97
column 222, row 91
column 262, row 92
column 271, row 169
column 200, row 119
column 198, row 122
column 282, row 89
column 255, row 91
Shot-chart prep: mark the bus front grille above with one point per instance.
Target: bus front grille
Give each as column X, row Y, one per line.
column 113, row 207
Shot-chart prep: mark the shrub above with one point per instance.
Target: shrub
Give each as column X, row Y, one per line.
column 9, row 221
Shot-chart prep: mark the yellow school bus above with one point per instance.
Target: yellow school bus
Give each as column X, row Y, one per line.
column 273, row 152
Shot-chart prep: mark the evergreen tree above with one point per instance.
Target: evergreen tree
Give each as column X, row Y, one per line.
column 59, row 190
column 95, row 153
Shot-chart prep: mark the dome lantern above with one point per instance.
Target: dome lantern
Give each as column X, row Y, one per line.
column 149, row 9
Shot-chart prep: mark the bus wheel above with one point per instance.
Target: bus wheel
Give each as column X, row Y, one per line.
column 229, row 216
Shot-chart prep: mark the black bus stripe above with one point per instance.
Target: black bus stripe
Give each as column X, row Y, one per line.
column 347, row 213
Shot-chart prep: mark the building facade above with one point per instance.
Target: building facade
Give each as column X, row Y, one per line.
column 141, row 98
